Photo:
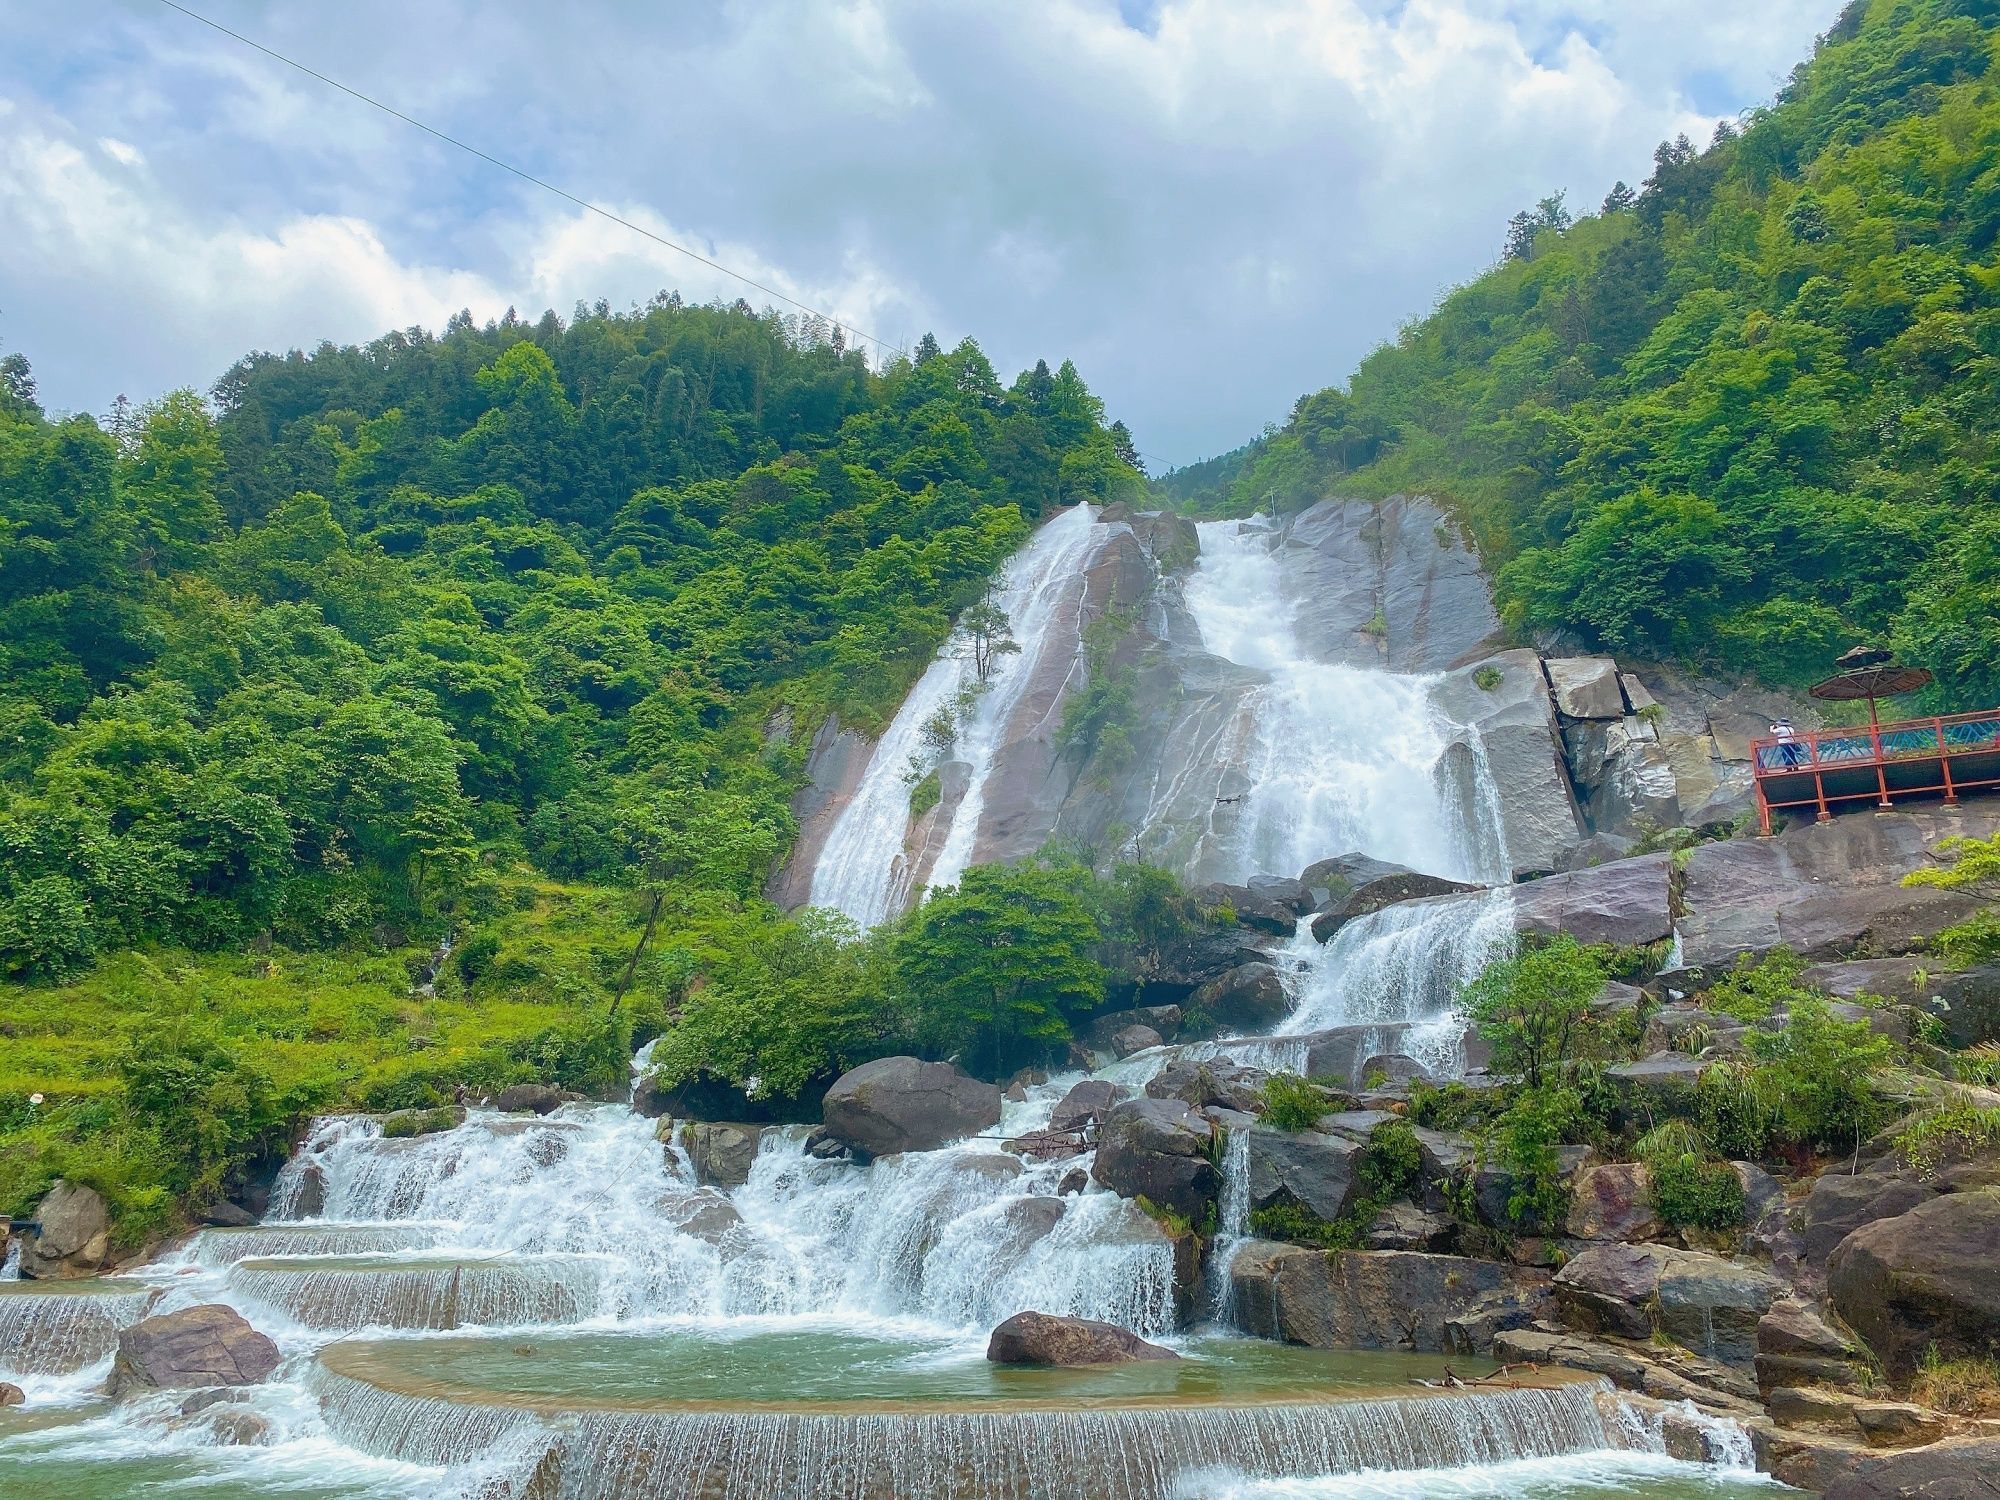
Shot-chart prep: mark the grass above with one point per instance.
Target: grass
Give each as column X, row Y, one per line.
column 262, row 1040
column 1962, row 1387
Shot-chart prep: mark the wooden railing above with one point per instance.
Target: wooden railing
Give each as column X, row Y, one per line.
column 1943, row 755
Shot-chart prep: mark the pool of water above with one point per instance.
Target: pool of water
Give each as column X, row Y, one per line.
column 746, row 1367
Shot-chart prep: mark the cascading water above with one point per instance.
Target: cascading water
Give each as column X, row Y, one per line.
column 864, row 869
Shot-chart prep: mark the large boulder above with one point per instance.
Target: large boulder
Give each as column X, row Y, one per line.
column 1259, row 913
column 538, row 1098
column 1627, row 902
column 721, row 1153
column 1923, row 1279
column 1509, row 740
column 1379, row 894
column 75, row 1238
column 205, row 1345
column 1036, row 1338
column 1310, row 1169
column 1164, row 1019
column 1201, row 1083
column 1703, row 1302
column 1085, row 1104
column 1331, row 881
column 1159, row 1150
column 1960, row 1469
column 1249, row 997
column 1613, row 1202
column 1585, row 687
column 904, row 1104
column 1379, row 1299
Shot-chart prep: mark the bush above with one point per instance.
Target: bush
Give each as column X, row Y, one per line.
column 1526, row 1136
column 1291, row 1103
column 1753, row 989
column 1392, row 1166
column 1532, row 1005
column 1450, row 1106
column 1953, row 1127
column 1818, row 1072
column 1299, row 1225
column 476, row 956
column 1689, row 1190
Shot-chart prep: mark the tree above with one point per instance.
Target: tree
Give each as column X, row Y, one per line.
column 997, row 966
column 1532, row 1005
column 987, row 635
column 1125, row 448
column 1618, row 199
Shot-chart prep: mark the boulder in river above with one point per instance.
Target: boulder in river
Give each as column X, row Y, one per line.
column 205, row 1345
column 1256, row 912
column 1159, row 1150
column 1380, row 1299
column 1212, row 1081
column 1036, row 1338
column 1127, row 1040
column 539, row 1098
column 1317, row 1172
column 1085, row 1104
column 1250, row 997
column 76, row 1233
column 905, row 1104
column 721, row 1153
column 1380, row 893
column 1922, row 1280
column 11, row 1394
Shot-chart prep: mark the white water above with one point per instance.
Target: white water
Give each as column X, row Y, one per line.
column 864, row 868
column 1336, row 758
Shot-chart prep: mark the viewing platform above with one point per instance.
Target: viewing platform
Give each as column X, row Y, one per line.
column 1881, row 764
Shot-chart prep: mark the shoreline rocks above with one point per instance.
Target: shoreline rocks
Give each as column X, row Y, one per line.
column 1035, row 1338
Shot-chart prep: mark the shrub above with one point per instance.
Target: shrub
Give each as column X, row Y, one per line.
column 1532, row 1005
column 1963, row 1387
column 1753, row 989
column 1526, row 1136
column 1392, row 1165
column 1689, row 1189
column 476, row 956
column 1450, row 1106
column 1819, row 1071
column 1299, row 1225
column 1487, row 679
column 1291, row 1103
column 1952, row 1127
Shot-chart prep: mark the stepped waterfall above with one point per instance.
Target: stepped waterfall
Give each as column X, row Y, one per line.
column 537, row 1307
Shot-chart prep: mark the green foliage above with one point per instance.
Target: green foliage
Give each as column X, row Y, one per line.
column 1817, row 1073
column 1487, row 679
column 1753, row 988
column 1447, row 1106
column 414, row 1122
column 1291, row 1103
column 1955, row 1126
column 1525, row 1139
column 1392, row 1166
column 1296, row 1224
column 1689, row 1189
column 925, row 793
column 1741, row 416
column 1533, row 1005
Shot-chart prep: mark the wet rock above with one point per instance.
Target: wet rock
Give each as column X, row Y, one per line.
column 1385, row 1069
column 309, row 1192
column 1164, row 1019
column 1047, row 1145
column 75, row 1238
column 1250, row 997
column 1197, row 958
column 720, row 1153
column 1026, row 1220
column 1627, row 903
column 704, row 1215
column 1921, row 1280
column 205, row 1345
column 1701, row 1301
column 1585, row 687
column 407, row 1124
column 1370, row 1299
column 1599, row 849
column 1130, row 1039
column 1657, row 1082
column 226, row 1215
column 1158, row 1149
column 1315, row 1171
column 1085, row 1104
column 1332, row 881
column 1074, row 1181
column 1503, row 702
column 1801, row 1406
column 1259, row 913
column 1215, row 1081
column 1035, row 1338
column 536, row 1098
column 11, row 1394
column 1841, row 1202
column 1613, row 1202
column 1961, row 1469
column 1282, row 889
column 1537, row 1346
column 904, row 1104
column 1381, row 893
column 1443, row 1154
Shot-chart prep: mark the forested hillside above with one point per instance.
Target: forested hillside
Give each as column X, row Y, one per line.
column 1746, row 415
column 519, row 631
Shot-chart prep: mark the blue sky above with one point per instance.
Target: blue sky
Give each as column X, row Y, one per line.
column 1212, row 205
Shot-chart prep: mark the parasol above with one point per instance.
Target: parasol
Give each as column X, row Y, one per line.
column 1881, row 679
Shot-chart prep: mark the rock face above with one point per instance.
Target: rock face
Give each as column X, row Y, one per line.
column 1380, row 1299
column 1965, row 1469
column 1312, row 1170
column 1586, row 687
column 206, row 1345
column 834, row 767
column 76, row 1234
column 1505, row 701
column 904, row 1104
column 1158, row 1149
column 1216, row 1081
column 1701, row 1301
column 1825, row 890
column 721, row 1154
column 1627, row 902
column 1250, row 997
column 1923, row 1278
column 1034, row 1338
column 1613, row 1202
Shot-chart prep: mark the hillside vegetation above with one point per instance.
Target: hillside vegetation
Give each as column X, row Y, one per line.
column 519, row 632
column 1745, row 416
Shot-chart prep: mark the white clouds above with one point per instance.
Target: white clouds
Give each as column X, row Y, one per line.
column 1212, row 214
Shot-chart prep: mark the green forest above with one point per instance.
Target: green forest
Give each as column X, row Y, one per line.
column 1744, row 415
column 519, row 632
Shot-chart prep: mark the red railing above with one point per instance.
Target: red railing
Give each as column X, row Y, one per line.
column 1903, row 756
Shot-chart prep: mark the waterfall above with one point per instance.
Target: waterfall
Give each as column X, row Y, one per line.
column 1118, row 1453
column 53, row 1329
column 865, row 869
column 1232, row 1226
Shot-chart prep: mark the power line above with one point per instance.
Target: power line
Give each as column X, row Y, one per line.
column 491, row 160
